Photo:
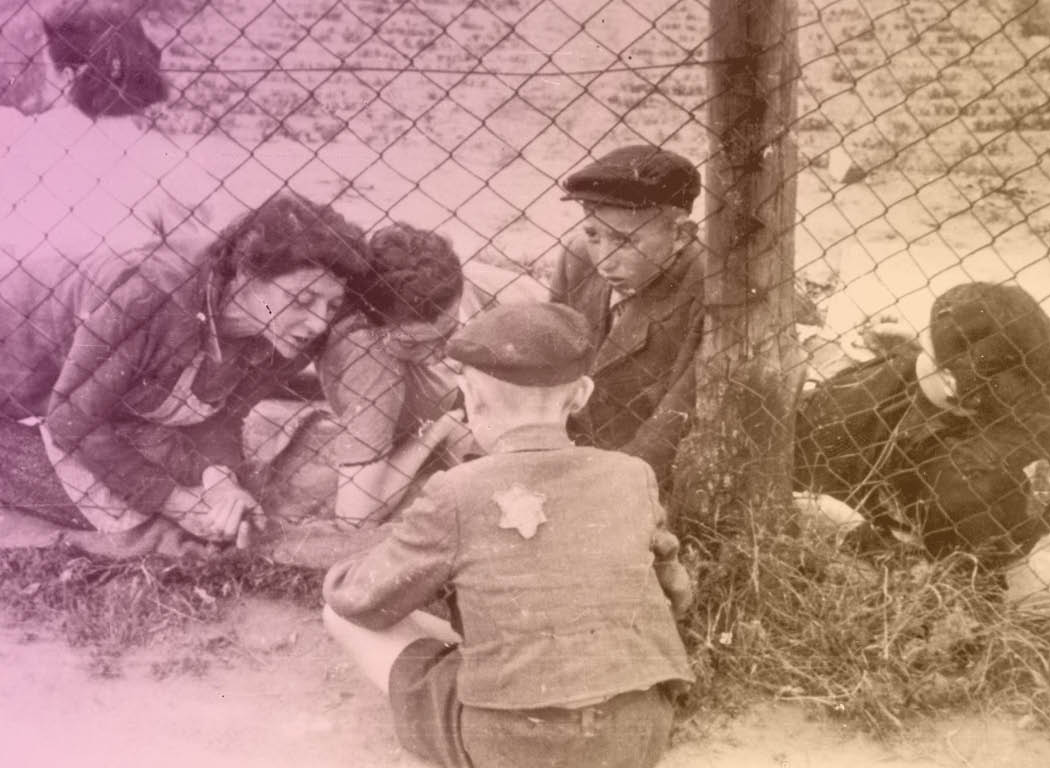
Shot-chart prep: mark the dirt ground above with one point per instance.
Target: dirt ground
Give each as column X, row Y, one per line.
column 267, row 687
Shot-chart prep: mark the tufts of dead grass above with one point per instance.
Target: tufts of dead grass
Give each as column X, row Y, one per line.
column 879, row 641
column 111, row 608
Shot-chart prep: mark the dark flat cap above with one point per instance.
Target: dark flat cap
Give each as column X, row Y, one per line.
column 637, row 176
column 533, row 344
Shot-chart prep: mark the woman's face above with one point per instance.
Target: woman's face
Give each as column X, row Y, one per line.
column 419, row 342
column 290, row 310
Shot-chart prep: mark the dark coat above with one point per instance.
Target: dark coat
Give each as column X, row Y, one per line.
column 643, row 371
column 869, row 437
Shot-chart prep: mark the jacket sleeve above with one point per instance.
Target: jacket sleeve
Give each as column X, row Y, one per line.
column 674, row 580
column 404, row 571
column 113, row 347
column 657, row 439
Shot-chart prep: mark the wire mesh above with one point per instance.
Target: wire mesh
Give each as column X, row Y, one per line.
column 922, row 141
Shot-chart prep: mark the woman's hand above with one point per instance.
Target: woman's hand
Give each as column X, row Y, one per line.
column 449, row 432
column 369, row 493
column 216, row 509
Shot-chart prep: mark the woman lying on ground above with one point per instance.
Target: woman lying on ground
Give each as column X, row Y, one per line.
column 388, row 393
column 137, row 367
column 945, row 441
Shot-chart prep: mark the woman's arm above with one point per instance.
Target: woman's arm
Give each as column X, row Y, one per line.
column 365, row 387
column 111, row 350
column 152, row 468
column 371, row 491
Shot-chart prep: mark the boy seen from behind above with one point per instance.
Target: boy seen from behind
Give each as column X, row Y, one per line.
column 556, row 554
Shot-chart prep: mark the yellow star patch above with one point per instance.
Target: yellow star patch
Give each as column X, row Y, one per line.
column 522, row 509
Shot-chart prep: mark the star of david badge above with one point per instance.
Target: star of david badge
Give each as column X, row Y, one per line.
column 522, row 509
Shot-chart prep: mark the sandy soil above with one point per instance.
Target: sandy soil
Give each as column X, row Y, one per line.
column 275, row 693
column 268, row 688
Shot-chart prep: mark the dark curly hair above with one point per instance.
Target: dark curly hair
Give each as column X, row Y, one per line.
column 287, row 233
column 991, row 335
column 117, row 67
column 416, row 276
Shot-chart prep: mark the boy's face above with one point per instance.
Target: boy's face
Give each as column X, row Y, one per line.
column 631, row 247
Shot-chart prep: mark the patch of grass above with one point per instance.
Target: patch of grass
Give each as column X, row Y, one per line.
column 876, row 642
column 193, row 666
column 110, row 608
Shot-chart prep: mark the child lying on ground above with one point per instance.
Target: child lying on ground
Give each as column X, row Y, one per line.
column 569, row 644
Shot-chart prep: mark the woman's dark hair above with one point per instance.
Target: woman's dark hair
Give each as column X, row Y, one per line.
column 117, row 67
column 287, row 233
column 416, row 276
column 988, row 332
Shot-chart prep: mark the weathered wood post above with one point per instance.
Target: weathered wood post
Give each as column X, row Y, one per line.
column 735, row 465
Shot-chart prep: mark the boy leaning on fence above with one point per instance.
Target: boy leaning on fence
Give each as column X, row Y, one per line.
column 566, row 582
column 634, row 271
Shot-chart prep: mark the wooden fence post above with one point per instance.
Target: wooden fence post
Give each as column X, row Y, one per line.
column 735, row 465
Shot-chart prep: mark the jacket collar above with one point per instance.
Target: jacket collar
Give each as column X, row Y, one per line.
column 674, row 277
column 532, row 437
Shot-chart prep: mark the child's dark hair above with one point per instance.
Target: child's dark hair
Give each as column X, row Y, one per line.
column 287, row 233
column 993, row 335
column 1004, row 322
column 117, row 67
column 416, row 275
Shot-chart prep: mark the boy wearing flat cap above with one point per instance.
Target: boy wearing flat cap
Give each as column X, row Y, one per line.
column 634, row 271
column 566, row 582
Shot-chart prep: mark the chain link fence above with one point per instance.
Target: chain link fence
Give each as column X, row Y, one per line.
column 922, row 137
column 930, row 116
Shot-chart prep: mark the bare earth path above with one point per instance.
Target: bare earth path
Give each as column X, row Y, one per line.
column 267, row 688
